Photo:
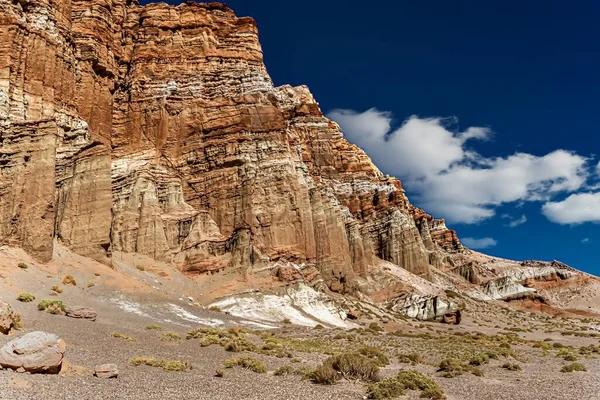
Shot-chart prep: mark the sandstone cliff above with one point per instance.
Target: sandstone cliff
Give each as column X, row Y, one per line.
column 156, row 131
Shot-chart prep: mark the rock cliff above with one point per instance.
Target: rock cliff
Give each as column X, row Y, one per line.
column 157, row 131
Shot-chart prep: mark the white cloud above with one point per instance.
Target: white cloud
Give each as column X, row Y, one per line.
column 575, row 209
column 451, row 180
column 483, row 243
column 585, row 240
column 513, row 223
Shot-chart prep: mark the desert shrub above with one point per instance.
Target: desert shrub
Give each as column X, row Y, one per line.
column 122, row 336
column 408, row 379
column 238, row 345
column 170, row 337
column 452, row 367
column 284, row 370
column 154, row 328
column 56, row 289
column 354, row 365
column 569, row 357
column 248, row 363
column 52, row 306
column 374, row 326
column 286, row 321
column 413, row 358
column 512, row 367
column 574, row 367
column 215, row 309
column 26, row 297
column 479, row 359
column 167, row 365
column 219, row 373
column 325, row 375
column 22, row 265
column 91, row 284
column 375, row 354
column 16, row 320
column 69, row 280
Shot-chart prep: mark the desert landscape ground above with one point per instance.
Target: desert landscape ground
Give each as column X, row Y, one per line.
column 175, row 226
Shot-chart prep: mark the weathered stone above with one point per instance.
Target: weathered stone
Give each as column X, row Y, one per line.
column 34, row 352
column 106, row 371
column 81, row 313
column 6, row 318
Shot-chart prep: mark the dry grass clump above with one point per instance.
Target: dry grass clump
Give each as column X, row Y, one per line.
column 512, row 367
column 574, row 367
column 154, row 328
column 215, row 309
column 122, row 336
column 167, row 365
column 413, row 358
column 284, row 370
column 170, row 337
column 56, row 289
column 52, row 307
column 16, row 320
column 69, row 280
column 375, row 354
column 249, row 363
column 347, row 365
column 26, row 297
column 452, row 367
column 219, row 373
column 405, row 380
column 240, row 344
column 23, row 265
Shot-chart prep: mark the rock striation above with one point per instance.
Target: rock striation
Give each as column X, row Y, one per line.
column 156, row 130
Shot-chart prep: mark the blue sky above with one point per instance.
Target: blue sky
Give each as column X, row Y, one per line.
column 505, row 94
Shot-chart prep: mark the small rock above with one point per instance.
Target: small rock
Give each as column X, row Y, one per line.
column 34, row 352
column 82, row 313
column 6, row 318
column 106, row 371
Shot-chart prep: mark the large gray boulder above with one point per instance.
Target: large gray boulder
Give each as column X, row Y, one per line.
column 6, row 318
column 34, row 352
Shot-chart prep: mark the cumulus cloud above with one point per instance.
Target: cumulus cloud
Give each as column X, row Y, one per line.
column 477, row 244
column 449, row 178
column 575, row 209
column 585, row 240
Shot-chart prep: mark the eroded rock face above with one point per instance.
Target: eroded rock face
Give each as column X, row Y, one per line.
column 157, row 130
column 6, row 318
column 34, row 352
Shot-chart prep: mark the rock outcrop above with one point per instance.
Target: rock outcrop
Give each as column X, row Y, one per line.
column 156, row 130
column 7, row 318
column 34, row 352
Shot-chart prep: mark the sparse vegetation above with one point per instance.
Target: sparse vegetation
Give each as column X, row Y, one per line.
column 23, row 265
column 26, row 297
column 170, row 337
column 91, row 284
column 405, row 380
column 52, row 307
column 347, row 365
column 248, row 363
column 452, row 367
column 69, row 280
column 154, row 328
column 122, row 336
column 512, row 367
column 167, row 365
column 284, row 370
column 215, row 309
column 56, row 289
column 219, row 373
column 574, row 367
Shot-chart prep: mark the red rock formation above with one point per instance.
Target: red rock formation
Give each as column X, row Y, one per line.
column 157, row 130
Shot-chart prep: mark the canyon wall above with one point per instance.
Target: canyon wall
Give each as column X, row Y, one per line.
column 157, row 130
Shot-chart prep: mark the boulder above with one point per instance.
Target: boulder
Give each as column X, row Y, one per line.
column 106, row 371
column 34, row 352
column 6, row 318
column 81, row 313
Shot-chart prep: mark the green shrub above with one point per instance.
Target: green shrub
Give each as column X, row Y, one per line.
column 23, row 265
column 52, row 306
column 479, row 360
column 122, row 336
column 408, row 379
column 26, row 297
column 238, row 345
column 167, row 365
column 170, row 337
column 375, row 354
column 248, row 363
column 512, row 367
column 215, row 309
column 284, row 370
column 413, row 358
column 574, row 367
column 354, row 365
column 325, row 375
column 452, row 367
column 219, row 373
